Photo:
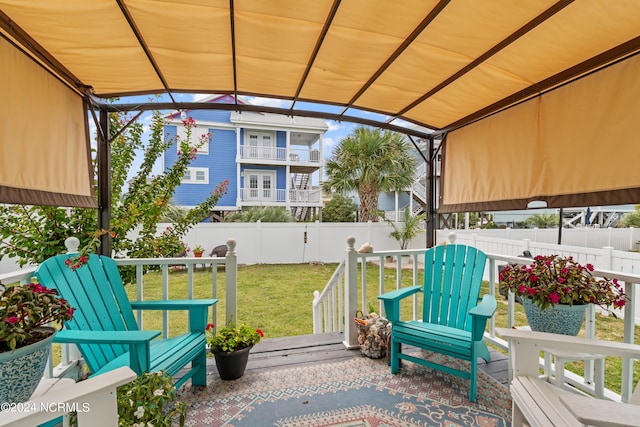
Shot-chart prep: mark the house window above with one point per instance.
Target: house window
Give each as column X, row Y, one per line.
column 196, row 176
column 197, row 134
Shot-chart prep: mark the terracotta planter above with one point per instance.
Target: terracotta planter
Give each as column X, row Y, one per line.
column 198, row 254
column 559, row 319
column 231, row 365
column 21, row 370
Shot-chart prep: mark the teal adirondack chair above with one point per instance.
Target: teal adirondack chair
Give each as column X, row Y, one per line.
column 452, row 322
column 105, row 330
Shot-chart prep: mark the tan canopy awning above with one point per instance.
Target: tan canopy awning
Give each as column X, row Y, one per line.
column 438, row 64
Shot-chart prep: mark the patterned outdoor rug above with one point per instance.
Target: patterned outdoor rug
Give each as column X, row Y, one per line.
column 358, row 392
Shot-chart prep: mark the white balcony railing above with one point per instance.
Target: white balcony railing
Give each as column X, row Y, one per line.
column 250, row 196
column 336, row 305
column 278, row 154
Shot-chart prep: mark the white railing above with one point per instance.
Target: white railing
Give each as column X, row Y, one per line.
column 328, row 305
column 355, row 283
column 280, row 154
column 277, row 197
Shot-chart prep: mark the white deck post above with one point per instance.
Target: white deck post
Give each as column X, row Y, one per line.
column 351, row 293
column 231, row 282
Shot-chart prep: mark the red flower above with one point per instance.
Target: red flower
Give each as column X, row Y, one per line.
column 259, row 331
column 210, row 326
column 13, row 320
column 70, row 311
column 532, row 291
column 554, row 297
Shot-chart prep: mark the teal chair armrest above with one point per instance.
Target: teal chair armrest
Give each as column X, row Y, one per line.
column 197, row 309
column 480, row 314
column 104, row 337
column 138, row 341
column 392, row 300
column 184, row 304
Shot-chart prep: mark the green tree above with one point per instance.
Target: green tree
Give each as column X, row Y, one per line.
column 631, row 219
column 408, row 229
column 262, row 214
column 370, row 161
column 543, row 220
column 33, row 233
column 339, row 209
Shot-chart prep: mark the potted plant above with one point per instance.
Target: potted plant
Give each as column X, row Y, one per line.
column 555, row 291
column 150, row 399
column 198, row 251
column 231, row 346
column 25, row 338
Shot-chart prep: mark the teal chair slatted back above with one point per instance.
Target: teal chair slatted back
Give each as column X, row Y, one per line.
column 452, row 282
column 97, row 293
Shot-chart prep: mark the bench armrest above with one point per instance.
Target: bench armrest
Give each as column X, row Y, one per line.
column 598, row 412
column 392, row 301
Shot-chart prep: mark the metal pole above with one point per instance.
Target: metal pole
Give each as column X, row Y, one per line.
column 104, row 184
column 560, row 228
column 431, row 202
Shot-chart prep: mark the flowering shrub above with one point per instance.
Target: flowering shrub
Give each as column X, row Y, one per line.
column 233, row 337
column 553, row 279
column 198, row 248
column 23, row 308
column 149, row 401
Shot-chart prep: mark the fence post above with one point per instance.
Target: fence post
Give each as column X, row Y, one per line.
column 231, row 282
column 351, row 295
column 607, row 257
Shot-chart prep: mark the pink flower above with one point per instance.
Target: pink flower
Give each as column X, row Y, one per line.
column 522, row 289
column 70, row 311
column 532, row 291
column 13, row 320
column 533, row 278
column 554, row 297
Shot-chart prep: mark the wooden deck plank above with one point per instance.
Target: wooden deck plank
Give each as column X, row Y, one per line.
column 305, row 350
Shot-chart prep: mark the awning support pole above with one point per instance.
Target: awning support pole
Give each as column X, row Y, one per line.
column 104, row 184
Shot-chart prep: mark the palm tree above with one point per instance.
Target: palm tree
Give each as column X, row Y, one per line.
column 409, row 230
column 370, row 161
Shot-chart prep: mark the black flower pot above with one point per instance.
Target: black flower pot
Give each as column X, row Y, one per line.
column 231, row 365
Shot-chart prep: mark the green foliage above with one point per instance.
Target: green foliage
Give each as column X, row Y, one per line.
column 370, row 161
column 408, row 229
column 173, row 214
column 631, row 219
column 262, row 214
column 149, row 400
column 543, row 220
column 35, row 233
column 26, row 307
column 233, row 337
column 339, row 209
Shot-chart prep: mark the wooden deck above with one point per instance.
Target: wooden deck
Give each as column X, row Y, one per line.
column 303, row 350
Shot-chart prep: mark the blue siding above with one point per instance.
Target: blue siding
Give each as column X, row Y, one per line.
column 221, row 163
column 281, row 139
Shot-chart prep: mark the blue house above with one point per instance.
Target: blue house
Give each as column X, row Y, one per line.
column 268, row 159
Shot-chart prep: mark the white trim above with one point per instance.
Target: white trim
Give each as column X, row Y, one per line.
column 192, row 174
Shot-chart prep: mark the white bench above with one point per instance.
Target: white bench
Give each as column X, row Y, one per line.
column 95, row 399
column 537, row 403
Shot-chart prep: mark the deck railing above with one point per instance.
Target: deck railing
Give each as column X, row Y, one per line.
column 348, row 283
